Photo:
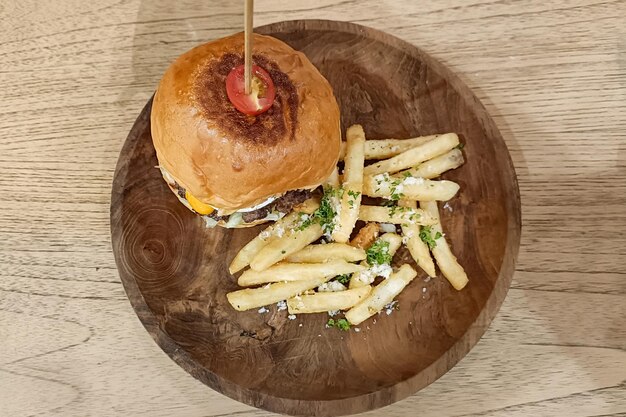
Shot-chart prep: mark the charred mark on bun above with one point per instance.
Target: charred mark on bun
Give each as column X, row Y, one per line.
column 268, row 127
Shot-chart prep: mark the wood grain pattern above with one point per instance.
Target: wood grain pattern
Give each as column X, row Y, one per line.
column 175, row 270
column 73, row 76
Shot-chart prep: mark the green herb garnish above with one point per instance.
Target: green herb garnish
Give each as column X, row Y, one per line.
column 395, row 194
column 354, row 194
column 460, row 146
column 325, row 214
column 343, row 279
column 426, row 236
column 341, row 324
column 378, row 253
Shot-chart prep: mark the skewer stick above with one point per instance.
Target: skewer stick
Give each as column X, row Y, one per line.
column 248, row 45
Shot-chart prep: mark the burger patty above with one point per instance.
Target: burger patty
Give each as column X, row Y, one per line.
column 283, row 204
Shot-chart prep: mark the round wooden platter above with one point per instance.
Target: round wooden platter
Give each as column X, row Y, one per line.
column 175, row 271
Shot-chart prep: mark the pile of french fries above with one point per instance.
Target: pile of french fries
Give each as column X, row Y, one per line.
column 339, row 272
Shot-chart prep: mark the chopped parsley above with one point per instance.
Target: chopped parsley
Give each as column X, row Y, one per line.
column 426, row 236
column 460, row 146
column 407, row 174
column 394, row 207
column 341, row 324
column 378, row 253
column 325, row 214
column 395, row 193
column 343, row 279
column 354, row 195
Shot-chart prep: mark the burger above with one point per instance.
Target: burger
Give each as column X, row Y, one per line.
column 242, row 159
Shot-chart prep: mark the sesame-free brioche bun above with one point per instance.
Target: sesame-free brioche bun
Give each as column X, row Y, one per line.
column 227, row 159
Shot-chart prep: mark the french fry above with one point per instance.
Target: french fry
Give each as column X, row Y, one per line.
column 381, row 295
column 418, row 249
column 366, row 277
column 410, row 188
column 366, row 236
column 431, row 149
column 327, row 252
column 449, row 266
column 249, row 298
column 333, row 180
column 396, row 215
column 348, row 212
column 282, row 247
column 327, row 301
column 276, row 230
column 437, row 166
column 386, row 148
column 297, row 272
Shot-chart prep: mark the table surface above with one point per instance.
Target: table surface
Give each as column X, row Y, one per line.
column 73, row 76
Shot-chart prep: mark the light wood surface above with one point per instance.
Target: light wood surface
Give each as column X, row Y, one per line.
column 73, row 77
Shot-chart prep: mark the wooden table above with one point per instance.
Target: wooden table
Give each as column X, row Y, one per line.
column 74, row 76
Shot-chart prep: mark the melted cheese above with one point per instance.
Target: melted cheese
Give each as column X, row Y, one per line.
column 197, row 205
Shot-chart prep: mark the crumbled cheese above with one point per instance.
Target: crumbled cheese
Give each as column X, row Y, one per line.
column 291, row 317
column 447, row 206
column 427, row 279
column 388, row 227
column 279, row 231
column 300, row 304
column 356, row 329
column 405, row 239
column 413, row 181
column 332, row 286
column 332, row 313
column 390, row 307
column 267, row 287
column 399, row 188
column 383, row 270
column 424, row 289
column 263, row 310
column 366, row 276
column 380, row 178
column 281, row 305
column 300, row 325
column 265, row 234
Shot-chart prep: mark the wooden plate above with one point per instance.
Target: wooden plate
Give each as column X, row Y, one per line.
column 175, row 270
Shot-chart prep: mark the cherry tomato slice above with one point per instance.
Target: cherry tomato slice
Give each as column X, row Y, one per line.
column 261, row 94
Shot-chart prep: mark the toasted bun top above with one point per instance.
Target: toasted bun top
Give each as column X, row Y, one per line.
column 228, row 159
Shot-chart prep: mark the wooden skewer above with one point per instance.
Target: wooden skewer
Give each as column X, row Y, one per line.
column 248, row 46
